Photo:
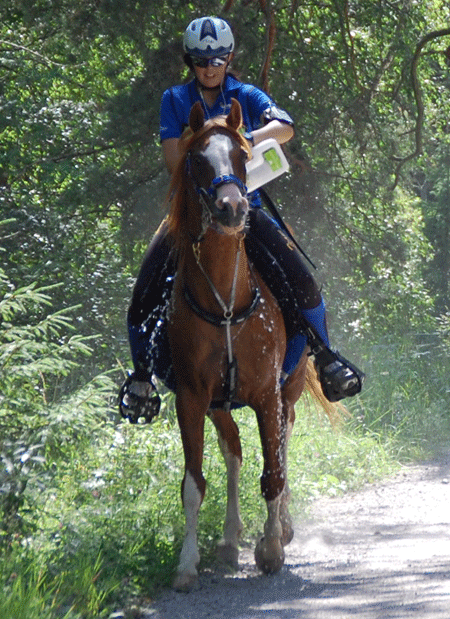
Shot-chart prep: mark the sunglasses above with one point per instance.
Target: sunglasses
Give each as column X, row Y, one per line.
column 218, row 61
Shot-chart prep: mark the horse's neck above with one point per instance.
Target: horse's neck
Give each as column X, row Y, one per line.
column 218, row 256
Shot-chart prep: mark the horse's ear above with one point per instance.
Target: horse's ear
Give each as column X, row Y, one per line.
column 234, row 118
column 196, row 117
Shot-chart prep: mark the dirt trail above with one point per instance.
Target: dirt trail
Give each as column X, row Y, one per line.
column 378, row 554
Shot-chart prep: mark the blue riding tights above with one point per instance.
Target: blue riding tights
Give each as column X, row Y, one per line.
column 316, row 317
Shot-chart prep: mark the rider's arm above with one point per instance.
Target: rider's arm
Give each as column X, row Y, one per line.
column 282, row 132
column 171, row 153
column 266, row 118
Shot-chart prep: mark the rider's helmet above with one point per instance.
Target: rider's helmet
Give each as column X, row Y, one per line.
column 208, row 37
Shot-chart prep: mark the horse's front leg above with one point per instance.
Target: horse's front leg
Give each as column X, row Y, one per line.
column 191, row 419
column 269, row 552
column 285, row 517
column 230, row 446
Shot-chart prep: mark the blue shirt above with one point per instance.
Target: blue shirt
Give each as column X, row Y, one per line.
column 255, row 103
column 257, row 109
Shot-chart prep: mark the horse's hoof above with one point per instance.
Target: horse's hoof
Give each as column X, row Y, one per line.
column 229, row 555
column 185, row 582
column 269, row 556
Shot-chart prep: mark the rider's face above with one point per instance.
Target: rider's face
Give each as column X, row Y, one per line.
column 211, row 76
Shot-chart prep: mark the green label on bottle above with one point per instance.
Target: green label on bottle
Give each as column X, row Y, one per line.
column 273, row 159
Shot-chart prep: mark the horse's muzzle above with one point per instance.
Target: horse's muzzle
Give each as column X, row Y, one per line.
column 229, row 215
column 230, row 209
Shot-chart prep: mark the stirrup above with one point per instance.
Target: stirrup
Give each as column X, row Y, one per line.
column 338, row 377
column 134, row 407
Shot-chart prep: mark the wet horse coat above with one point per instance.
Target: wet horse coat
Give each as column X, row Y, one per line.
column 207, row 223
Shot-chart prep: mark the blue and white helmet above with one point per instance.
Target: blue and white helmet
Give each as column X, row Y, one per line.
column 208, row 37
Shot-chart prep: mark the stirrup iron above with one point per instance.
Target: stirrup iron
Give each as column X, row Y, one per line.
column 134, row 407
column 338, row 377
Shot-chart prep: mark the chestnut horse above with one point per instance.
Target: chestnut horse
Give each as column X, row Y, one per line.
column 227, row 340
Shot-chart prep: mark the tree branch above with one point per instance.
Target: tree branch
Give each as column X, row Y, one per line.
column 39, row 57
column 435, row 34
column 271, row 35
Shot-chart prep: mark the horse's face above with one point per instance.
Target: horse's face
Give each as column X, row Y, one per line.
column 217, row 168
column 216, row 164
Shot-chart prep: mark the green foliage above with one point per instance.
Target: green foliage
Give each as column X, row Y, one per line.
column 38, row 356
column 90, row 511
column 82, row 175
column 407, row 397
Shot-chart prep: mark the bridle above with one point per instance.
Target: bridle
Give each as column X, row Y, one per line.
column 207, row 199
column 208, row 196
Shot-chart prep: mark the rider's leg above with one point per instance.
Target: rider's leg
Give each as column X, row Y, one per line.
column 147, row 300
column 138, row 397
column 338, row 377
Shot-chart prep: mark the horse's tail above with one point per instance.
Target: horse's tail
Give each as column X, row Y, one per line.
column 334, row 410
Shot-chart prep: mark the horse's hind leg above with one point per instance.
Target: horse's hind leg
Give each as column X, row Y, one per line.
column 285, row 517
column 230, row 446
column 291, row 392
column 269, row 552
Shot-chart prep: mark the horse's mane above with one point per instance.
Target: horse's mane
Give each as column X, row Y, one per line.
column 176, row 198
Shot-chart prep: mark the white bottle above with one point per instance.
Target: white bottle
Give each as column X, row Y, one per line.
column 268, row 162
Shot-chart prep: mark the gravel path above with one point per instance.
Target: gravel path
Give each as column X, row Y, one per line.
column 380, row 553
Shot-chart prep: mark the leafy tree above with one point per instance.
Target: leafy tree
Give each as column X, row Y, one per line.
column 81, row 171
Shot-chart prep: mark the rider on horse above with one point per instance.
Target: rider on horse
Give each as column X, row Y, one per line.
column 208, row 44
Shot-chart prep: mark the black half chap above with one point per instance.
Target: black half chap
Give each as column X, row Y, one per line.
column 270, row 251
column 151, row 294
column 282, row 268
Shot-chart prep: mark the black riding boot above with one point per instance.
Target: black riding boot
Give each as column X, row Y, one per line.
column 138, row 396
column 284, row 271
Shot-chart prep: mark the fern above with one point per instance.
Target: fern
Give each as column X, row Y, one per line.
column 38, row 412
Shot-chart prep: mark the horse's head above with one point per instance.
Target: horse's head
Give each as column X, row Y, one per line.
column 215, row 162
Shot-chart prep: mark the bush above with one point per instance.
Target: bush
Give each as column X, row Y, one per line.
column 39, row 357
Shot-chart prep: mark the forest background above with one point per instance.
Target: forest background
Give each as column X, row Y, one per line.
column 89, row 508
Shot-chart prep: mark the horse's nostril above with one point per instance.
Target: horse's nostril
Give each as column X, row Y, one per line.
column 224, row 205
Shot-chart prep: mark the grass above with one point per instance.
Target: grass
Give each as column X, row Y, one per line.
column 107, row 525
column 111, row 525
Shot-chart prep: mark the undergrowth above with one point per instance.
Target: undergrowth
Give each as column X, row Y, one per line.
column 91, row 513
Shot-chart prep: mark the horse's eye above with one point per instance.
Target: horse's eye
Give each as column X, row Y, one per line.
column 244, row 155
column 197, row 160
